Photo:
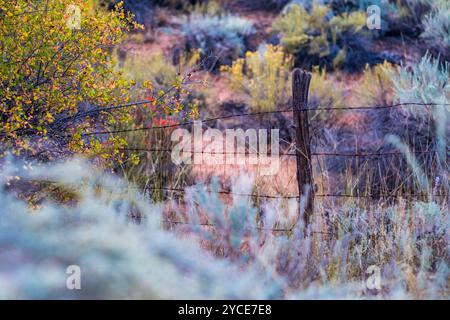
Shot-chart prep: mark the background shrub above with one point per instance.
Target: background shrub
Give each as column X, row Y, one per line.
column 264, row 76
column 221, row 38
column 319, row 37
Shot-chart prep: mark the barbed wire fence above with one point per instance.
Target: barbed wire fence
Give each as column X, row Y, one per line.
column 305, row 180
column 303, row 154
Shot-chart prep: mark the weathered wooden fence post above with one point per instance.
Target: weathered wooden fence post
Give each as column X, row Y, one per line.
column 300, row 88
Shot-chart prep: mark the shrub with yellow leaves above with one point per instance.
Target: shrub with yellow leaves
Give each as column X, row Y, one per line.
column 324, row 92
column 264, row 76
column 376, row 86
column 55, row 64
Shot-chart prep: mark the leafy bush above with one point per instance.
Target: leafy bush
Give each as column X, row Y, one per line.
column 318, row 37
column 427, row 18
column 422, row 129
column 264, row 76
column 221, row 37
column 48, row 71
column 391, row 11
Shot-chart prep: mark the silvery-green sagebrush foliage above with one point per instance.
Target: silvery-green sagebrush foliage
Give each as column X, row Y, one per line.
column 436, row 26
column 241, row 257
column 221, row 36
column 410, row 244
column 228, row 30
column 117, row 259
column 272, row 5
column 426, row 82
